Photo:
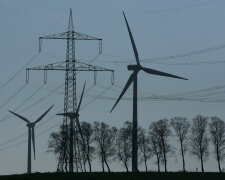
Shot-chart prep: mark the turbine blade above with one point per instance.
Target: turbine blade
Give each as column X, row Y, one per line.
column 132, row 41
column 131, row 78
column 21, row 117
column 79, row 128
column 33, row 140
column 40, row 118
column 78, row 108
column 159, row 73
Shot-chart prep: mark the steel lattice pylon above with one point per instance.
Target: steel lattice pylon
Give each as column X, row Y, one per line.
column 70, row 66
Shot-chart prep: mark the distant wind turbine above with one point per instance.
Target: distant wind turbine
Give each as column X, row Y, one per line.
column 72, row 116
column 133, row 78
column 31, row 135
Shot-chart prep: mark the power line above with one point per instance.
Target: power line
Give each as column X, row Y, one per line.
column 201, row 95
column 21, row 104
column 45, row 97
column 171, row 57
column 198, row 63
column 18, row 72
column 18, row 56
column 176, row 8
column 21, row 54
column 91, row 101
column 13, row 96
column 21, row 142
column 39, row 125
column 154, row 11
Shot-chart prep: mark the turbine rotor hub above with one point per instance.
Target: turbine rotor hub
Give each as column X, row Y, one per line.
column 31, row 125
column 134, row 67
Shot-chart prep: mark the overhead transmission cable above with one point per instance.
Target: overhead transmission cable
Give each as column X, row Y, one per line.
column 95, row 98
column 45, row 97
column 13, row 95
column 31, row 60
column 171, row 57
column 21, row 104
column 39, row 125
column 202, row 95
column 176, row 8
column 18, row 56
column 18, row 72
column 154, row 11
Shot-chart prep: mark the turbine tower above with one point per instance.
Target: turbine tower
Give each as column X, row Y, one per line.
column 31, row 136
column 133, row 78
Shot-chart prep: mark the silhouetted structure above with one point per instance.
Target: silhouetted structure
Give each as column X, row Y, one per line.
column 70, row 66
column 133, row 78
column 31, row 135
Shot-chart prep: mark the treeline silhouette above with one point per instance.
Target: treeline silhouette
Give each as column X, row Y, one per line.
column 106, row 144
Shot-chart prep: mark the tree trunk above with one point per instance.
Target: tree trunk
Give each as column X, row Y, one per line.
column 103, row 169
column 89, row 164
column 84, row 164
column 88, row 156
column 165, row 164
column 202, row 165
column 182, row 153
column 218, row 161
column 66, row 164
column 146, row 168
column 165, row 160
column 158, row 162
column 107, row 165
column 125, row 164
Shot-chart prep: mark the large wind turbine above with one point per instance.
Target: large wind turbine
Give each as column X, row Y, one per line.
column 133, row 78
column 31, row 135
column 72, row 116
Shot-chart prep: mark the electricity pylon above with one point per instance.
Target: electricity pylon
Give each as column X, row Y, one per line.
column 70, row 66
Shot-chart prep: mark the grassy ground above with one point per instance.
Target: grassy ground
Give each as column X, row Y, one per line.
column 117, row 176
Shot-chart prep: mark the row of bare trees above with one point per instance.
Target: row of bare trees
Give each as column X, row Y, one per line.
column 108, row 144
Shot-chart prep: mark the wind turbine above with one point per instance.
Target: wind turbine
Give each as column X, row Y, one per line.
column 72, row 116
column 133, row 78
column 31, row 135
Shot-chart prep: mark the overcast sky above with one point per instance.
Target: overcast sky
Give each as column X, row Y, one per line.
column 183, row 37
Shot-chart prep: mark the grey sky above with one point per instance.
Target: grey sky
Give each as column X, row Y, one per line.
column 160, row 28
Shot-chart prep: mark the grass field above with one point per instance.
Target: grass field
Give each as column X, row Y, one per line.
column 117, row 176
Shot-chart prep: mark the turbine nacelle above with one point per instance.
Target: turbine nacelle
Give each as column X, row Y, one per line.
column 134, row 67
column 31, row 125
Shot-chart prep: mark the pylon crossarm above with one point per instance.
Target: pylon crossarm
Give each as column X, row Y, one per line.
column 88, row 67
column 71, row 35
column 61, row 66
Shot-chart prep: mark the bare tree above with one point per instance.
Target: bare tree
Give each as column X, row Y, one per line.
column 104, row 137
column 87, row 147
column 217, row 131
column 163, row 131
column 124, row 144
column 159, row 136
column 155, row 144
column 199, row 139
column 80, row 159
column 144, row 147
column 181, row 127
column 55, row 145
